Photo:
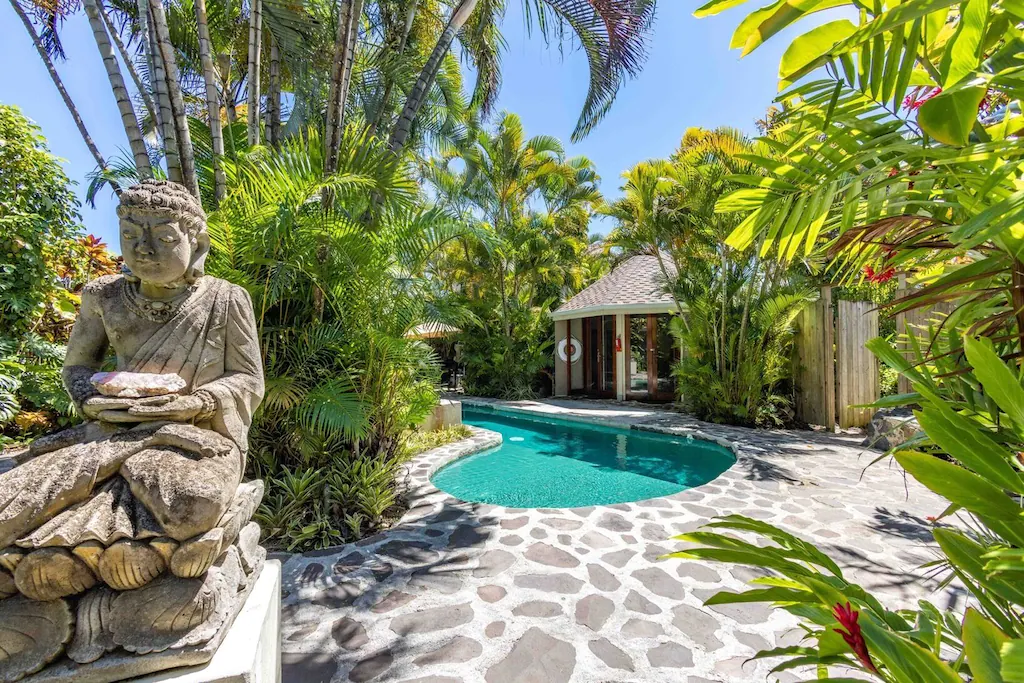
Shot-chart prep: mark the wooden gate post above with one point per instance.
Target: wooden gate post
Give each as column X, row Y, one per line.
column 814, row 361
column 856, row 367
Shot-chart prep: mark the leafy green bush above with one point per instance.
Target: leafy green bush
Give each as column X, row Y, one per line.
column 44, row 261
column 934, row 193
column 336, row 269
column 420, row 442
column 980, row 440
column 505, row 366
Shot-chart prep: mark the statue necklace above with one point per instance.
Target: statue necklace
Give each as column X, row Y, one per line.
column 156, row 310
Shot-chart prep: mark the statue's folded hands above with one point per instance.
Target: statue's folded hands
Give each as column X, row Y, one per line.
column 181, row 409
column 94, row 406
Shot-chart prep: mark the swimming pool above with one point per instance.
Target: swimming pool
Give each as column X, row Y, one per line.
column 555, row 463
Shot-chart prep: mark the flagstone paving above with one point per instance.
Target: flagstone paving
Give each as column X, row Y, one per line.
column 462, row 592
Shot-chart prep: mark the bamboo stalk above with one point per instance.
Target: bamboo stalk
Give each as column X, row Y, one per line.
column 186, row 154
column 129, row 120
column 129, row 64
column 212, row 105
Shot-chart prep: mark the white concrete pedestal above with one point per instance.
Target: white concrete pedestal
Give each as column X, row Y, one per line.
column 447, row 413
column 251, row 651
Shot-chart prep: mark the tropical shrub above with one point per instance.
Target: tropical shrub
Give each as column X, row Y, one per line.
column 530, row 260
column 934, row 193
column 425, row 441
column 336, row 266
column 735, row 307
column 970, row 456
column 44, row 261
column 508, row 366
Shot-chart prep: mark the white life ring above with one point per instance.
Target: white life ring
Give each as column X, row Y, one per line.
column 575, row 348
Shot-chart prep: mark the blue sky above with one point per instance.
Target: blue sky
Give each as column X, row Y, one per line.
column 691, row 79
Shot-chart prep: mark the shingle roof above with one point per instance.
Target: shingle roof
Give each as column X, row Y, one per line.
column 638, row 281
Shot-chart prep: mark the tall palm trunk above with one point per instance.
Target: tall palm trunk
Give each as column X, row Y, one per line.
column 349, row 15
column 273, row 123
column 55, row 77
column 428, row 75
column 124, row 103
column 220, row 183
column 224, row 64
column 410, row 17
column 255, row 47
column 186, row 155
column 164, row 117
column 146, row 36
column 129, row 64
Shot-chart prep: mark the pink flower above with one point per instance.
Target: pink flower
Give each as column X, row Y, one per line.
column 913, row 102
column 847, row 618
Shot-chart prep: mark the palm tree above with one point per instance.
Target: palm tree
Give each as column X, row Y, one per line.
column 647, row 216
column 55, row 77
column 612, row 33
column 212, row 102
column 129, row 63
column 428, row 75
column 124, row 103
column 273, row 122
column 253, row 79
column 165, row 51
column 734, row 309
column 349, row 15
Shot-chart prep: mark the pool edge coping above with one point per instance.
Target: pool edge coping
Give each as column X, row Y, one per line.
column 735, row 448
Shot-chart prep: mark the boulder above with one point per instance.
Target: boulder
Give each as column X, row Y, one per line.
column 890, row 427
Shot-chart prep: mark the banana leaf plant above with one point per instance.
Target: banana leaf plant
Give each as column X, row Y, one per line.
column 971, row 455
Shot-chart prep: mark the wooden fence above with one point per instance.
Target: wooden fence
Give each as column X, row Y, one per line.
column 832, row 370
column 856, row 367
column 916, row 323
column 814, row 363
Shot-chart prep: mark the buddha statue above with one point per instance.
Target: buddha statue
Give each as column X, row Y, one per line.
column 126, row 542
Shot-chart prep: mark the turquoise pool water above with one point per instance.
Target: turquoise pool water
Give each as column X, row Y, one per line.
column 556, row 463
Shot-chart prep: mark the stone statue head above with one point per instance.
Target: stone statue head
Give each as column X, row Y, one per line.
column 163, row 233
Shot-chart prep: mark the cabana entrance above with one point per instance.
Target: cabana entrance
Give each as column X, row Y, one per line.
column 599, row 356
column 612, row 339
column 651, row 355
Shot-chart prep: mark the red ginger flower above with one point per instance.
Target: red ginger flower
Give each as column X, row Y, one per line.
column 847, row 618
column 880, row 276
column 913, row 102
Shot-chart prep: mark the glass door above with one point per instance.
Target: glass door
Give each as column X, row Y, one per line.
column 599, row 356
column 651, row 356
column 608, row 356
column 591, row 356
column 663, row 383
column 638, row 360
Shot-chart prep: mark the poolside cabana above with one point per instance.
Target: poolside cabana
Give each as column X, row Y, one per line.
column 432, row 330
column 612, row 339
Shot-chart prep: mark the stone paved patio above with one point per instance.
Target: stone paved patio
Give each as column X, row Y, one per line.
column 471, row 592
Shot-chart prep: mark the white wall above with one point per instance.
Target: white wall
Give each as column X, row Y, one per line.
column 560, row 381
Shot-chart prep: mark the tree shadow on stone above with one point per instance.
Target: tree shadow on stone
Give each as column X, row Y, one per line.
column 358, row 584
column 893, row 579
column 901, row 523
column 760, row 469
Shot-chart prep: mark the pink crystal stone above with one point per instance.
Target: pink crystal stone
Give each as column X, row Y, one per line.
column 136, row 384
